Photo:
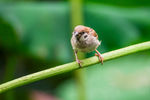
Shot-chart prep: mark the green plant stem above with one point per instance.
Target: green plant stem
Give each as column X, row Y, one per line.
column 72, row 66
column 77, row 19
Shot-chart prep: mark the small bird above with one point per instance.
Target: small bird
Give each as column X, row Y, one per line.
column 85, row 39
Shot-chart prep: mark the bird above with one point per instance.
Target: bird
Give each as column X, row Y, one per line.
column 85, row 39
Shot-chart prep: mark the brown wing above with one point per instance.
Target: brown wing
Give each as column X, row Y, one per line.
column 92, row 32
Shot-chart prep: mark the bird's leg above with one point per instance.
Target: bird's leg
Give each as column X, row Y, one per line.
column 99, row 56
column 77, row 60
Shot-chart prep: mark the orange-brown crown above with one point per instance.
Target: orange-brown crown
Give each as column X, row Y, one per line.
column 81, row 28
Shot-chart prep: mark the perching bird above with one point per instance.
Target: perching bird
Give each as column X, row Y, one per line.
column 85, row 39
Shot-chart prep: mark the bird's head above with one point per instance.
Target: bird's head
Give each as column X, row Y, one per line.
column 81, row 32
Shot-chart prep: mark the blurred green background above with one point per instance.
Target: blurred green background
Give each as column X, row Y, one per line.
column 35, row 35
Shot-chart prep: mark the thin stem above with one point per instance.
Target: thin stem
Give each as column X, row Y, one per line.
column 72, row 66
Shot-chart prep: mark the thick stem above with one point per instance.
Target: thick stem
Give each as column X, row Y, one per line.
column 77, row 19
column 72, row 66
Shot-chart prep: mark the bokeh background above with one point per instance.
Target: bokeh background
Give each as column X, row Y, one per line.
column 35, row 35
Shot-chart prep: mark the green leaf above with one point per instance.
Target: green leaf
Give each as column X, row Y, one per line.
column 126, row 78
column 43, row 28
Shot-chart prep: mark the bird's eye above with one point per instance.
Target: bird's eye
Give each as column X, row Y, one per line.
column 82, row 33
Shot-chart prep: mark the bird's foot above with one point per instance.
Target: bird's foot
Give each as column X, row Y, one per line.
column 79, row 62
column 101, row 59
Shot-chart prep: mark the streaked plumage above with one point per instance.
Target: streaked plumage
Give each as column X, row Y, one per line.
column 85, row 39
